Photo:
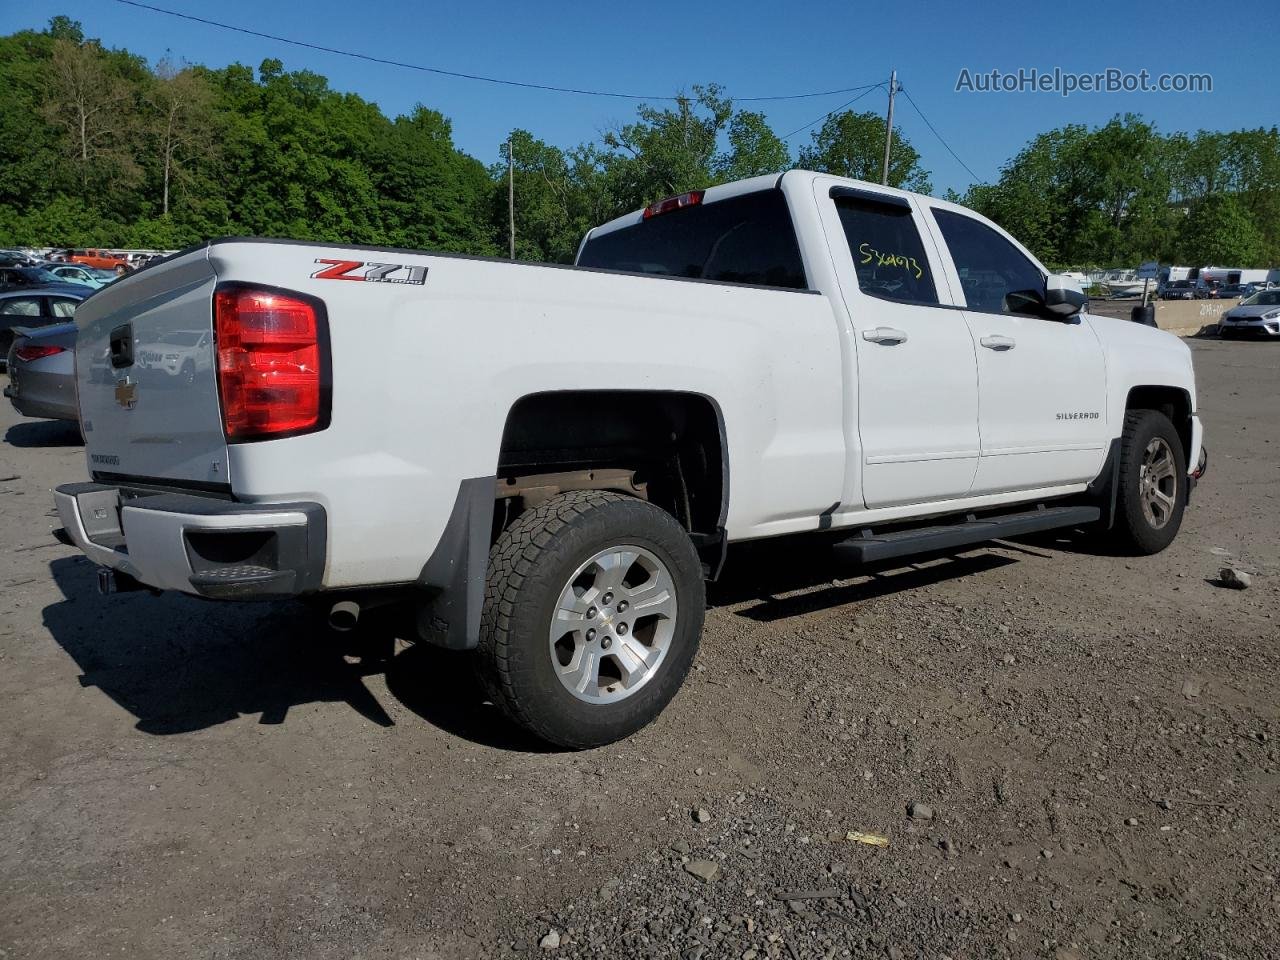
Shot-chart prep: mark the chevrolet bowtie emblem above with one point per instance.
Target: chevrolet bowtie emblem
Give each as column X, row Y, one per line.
column 126, row 393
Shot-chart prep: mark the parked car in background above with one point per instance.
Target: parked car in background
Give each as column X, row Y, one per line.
column 1255, row 316
column 1249, row 289
column 27, row 276
column 1229, row 291
column 180, row 354
column 99, row 258
column 89, row 276
column 1179, row 290
column 36, row 307
column 42, row 372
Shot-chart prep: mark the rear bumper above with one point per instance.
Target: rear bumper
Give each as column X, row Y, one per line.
column 199, row 545
column 37, row 406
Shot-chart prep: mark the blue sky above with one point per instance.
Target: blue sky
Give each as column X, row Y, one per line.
column 752, row 48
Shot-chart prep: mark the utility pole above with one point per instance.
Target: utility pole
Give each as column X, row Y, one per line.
column 888, row 126
column 511, row 197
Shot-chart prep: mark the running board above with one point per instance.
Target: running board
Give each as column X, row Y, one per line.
column 870, row 546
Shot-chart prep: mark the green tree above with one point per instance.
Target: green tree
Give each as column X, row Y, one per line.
column 93, row 106
column 31, row 151
column 754, row 149
column 180, row 124
column 851, row 144
column 1218, row 231
column 1079, row 197
column 559, row 196
column 667, row 151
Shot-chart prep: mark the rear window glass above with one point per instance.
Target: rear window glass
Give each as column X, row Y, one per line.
column 746, row 239
column 20, row 307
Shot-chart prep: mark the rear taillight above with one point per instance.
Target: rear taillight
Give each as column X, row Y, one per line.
column 27, row 352
column 690, row 199
column 272, row 363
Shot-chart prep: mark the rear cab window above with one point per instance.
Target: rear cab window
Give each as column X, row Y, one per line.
column 746, row 239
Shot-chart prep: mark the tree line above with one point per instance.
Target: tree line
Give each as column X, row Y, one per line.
column 100, row 148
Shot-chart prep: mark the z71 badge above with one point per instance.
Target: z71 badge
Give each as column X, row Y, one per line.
column 370, row 272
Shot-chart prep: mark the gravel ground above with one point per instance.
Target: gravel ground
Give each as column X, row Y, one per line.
column 1068, row 754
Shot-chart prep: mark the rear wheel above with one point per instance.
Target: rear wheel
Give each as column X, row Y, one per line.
column 1152, row 491
column 593, row 610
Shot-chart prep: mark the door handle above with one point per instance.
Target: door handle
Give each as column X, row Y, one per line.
column 997, row 342
column 885, row 335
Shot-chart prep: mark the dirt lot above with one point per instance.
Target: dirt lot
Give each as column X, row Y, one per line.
column 1096, row 736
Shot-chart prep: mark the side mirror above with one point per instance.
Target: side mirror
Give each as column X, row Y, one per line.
column 1063, row 296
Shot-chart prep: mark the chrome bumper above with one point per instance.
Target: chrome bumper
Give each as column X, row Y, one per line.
column 199, row 545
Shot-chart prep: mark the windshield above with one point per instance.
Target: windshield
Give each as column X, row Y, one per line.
column 1263, row 298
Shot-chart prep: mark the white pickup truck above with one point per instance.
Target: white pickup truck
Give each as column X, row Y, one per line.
column 545, row 463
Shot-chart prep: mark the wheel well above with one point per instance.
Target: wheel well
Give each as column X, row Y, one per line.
column 1173, row 402
column 666, row 447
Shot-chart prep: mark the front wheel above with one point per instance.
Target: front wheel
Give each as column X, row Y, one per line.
column 1152, row 479
column 593, row 610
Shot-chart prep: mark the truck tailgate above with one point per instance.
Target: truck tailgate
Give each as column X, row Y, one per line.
column 146, row 375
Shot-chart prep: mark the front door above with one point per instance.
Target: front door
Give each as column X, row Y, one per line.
column 916, row 376
column 1042, row 389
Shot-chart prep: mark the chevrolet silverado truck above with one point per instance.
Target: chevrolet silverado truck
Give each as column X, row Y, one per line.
column 545, row 463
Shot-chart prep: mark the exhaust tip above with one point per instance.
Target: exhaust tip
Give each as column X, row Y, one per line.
column 344, row 615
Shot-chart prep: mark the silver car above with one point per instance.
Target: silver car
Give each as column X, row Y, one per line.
column 42, row 372
column 1255, row 316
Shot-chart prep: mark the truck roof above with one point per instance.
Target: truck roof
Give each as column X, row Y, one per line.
column 724, row 191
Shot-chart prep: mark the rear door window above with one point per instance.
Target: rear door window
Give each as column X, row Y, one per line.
column 748, row 239
column 63, row 307
column 888, row 254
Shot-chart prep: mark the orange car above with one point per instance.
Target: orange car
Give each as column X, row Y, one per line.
column 100, row 259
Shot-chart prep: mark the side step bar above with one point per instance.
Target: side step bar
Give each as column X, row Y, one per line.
column 870, row 546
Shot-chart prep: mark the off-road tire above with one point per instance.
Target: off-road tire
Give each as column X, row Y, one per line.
column 529, row 566
column 1134, row 532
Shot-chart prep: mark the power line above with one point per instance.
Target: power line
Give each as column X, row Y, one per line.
column 903, row 91
column 871, row 87
column 453, row 73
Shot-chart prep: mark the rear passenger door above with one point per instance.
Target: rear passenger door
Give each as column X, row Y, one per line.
column 1041, row 380
column 916, row 380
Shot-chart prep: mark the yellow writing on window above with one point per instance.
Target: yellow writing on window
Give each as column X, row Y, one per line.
column 870, row 253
